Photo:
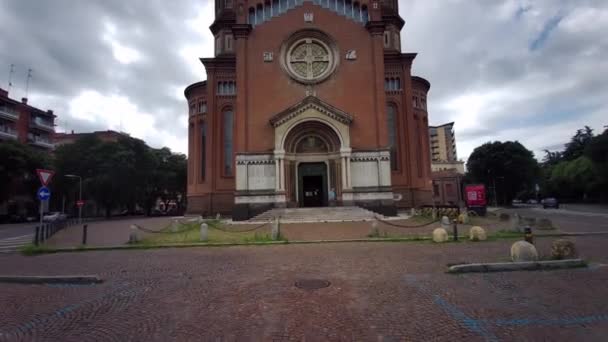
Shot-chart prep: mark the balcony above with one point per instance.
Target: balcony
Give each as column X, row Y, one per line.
column 42, row 125
column 7, row 133
column 8, row 113
column 40, row 141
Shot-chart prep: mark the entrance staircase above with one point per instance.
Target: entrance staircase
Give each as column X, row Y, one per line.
column 324, row 214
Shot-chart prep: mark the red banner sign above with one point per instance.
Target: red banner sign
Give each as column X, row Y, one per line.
column 475, row 195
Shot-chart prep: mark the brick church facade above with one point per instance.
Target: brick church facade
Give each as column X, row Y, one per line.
column 307, row 103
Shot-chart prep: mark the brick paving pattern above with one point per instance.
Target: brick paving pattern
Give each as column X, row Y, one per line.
column 378, row 292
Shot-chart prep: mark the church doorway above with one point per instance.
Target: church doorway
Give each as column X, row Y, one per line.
column 312, row 182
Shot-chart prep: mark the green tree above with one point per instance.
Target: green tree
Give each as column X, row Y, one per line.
column 508, row 165
column 18, row 164
column 576, row 147
column 122, row 174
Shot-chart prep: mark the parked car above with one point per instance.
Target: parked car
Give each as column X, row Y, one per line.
column 54, row 216
column 516, row 201
column 532, row 201
column 550, row 203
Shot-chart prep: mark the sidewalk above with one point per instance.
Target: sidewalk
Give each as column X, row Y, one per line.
column 105, row 233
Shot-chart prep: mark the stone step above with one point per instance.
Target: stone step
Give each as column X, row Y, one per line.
column 322, row 214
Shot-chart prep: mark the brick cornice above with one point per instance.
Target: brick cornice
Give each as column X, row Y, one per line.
column 375, row 27
column 241, row 30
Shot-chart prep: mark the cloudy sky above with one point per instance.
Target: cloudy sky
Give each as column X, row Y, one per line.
column 532, row 71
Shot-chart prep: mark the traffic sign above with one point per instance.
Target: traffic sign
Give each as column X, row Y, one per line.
column 45, row 176
column 79, row 203
column 44, row 193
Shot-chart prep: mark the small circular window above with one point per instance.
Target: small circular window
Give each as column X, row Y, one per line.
column 308, row 59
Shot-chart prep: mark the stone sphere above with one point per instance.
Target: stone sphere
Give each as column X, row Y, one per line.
column 544, row 224
column 563, row 249
column 440, row 235
column 477, row 234
column 523, row 251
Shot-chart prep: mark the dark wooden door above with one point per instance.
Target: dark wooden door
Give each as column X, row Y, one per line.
column 312, row 187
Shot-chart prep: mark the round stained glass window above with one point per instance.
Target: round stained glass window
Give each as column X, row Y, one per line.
column 309, row 60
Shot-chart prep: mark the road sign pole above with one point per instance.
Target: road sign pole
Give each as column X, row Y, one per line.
column 40, row 214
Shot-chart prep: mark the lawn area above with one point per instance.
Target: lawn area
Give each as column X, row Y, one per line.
column 218, row 233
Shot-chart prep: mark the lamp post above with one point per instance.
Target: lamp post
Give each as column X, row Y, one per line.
column 79, row 196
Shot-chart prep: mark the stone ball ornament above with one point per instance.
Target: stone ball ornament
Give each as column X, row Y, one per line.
column 523, row 251
column 477, row 233
column 440, row 235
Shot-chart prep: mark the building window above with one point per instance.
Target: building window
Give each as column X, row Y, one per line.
column 275, row 7
column 228, row 121
column 192, row 108
column 386, row 39
column 415, row 102
column 392, row 83
column 202, row 107
column 267, row 10
column 397, row 41
column 259, row 14
column 228, row 3
column 218, row 46
column 364, row 14
column 251, row 16
column 435, row 189
column 226, row 88
column 391, row 119
column 228, row 43
column 449, row 189
column 203, row 149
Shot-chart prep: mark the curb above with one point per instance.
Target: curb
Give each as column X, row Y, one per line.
column 517, row 266
column 77, row 279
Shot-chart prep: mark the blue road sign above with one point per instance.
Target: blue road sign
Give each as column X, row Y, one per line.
column 44, row 193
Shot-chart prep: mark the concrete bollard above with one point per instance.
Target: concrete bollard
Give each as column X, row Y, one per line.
column 174, row 226
column 445, row 223
column 133, row 238
column 276, row 230
column 515, row 222
column 413, row 212
column 218, row 216
column 204, row 232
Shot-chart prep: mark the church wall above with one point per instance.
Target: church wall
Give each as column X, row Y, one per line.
column 349, row 88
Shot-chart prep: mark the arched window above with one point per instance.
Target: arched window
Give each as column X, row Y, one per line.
column 364, row 14
column 275, row 7
column 252, row 16
column 228, row 122
column 391, row 120
column 267, row 10
column 259, row 14
column 356, row 11
column 398, row 84
column 348, row 6
column 283, row 6
column 386, row 84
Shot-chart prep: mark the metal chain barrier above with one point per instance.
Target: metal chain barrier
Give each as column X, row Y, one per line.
column 210, row 227
column 406, row 226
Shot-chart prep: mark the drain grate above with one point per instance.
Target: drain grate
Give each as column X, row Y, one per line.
column 312, row 284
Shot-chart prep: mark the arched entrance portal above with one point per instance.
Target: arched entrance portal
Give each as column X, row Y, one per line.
column 312, row 162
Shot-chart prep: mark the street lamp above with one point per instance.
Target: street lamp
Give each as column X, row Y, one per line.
column 79, row 196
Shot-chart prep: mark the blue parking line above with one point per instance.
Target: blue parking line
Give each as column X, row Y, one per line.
column 553, row 321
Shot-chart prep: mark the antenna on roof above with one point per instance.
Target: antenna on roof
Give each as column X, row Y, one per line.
column 10, row 77
column 27, row 82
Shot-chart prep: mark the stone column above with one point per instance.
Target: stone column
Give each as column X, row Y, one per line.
column 277, row 173
column 282, row 174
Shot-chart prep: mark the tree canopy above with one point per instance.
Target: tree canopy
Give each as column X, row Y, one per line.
column 18, row 164
column 122, row 174
column 507, row 165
